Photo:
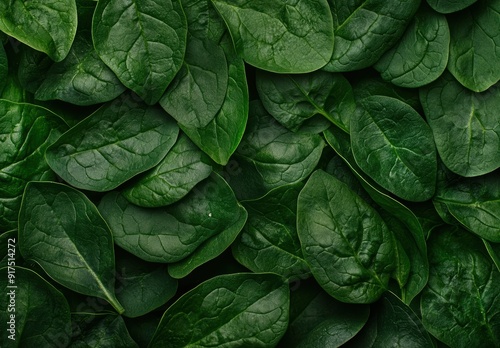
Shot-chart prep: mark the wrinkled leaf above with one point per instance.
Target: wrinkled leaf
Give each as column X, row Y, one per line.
column 393, row 145
column 449, row 6
column 142, row 41
column 179, row 171
column 345, row 241
column 77, row 250
column 228, row 310
column 465, row 125
column 121, row 139
column 26, row 300
column 280, row 36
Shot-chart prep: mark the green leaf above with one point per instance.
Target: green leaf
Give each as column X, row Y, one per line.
column 364, row 30
column 271, row 156
column 230, row 310
column 394, row 146
column 465, row 127
column 142, row 287
column 198, row 91
column 26, row 131
column 317, row 320
column 121, row 139
column 48, row 26
column 103, row 331
column 474, row 45
column 421, row 55
column 81, row 78
column 449, row 6
column 221, row 136
column 33, row 67
column 392, row 324
column 34, row 313
column 179, row 171
column 475, row 203
column 4, row 64
column 269, row 241
column 61, row 230
column 280, row 36
column 346, row 243
column 292, row 99
column 460, row 303
column 142, row 41
column 171, row 233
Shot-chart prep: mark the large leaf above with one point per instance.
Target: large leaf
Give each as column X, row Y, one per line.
column 178, row 172
column 465, row 125
column 449, row 6
column 63, row 232
column 103, row 331
column 142, row 41
column 270, row 155
column 460, row 306
column 346, row 243
column 48, row 26
column 121, row 139
column 474, row 45
column 26, row 131
column 26, row 299
column 394, row 145
column 221, row 136
column 475, row 203
column 269, row 241
column 364, row 30
column 81, row 78
column 421, row 55
column 282, row 35
column 227, row 311
column 292, row 99
column 171, row 233
column 198, row 90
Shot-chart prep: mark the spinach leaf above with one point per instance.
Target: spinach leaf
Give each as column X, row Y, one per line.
column 280, row 36
column 292, row 99
column 106, row 331
column 460, row 303
column 221, row 136
column 346, row 243
column 227, row 310
column 179, row 171
column 421, row 55
column 142, row 41
column 121, row 139
column 474, row 45
column 172, row 233
column 48, row 26
column 449, row 6
column 4, row 66
column 269, row 240
column 77, row 250
column 271, row 156
column 197, row 93
column 26, row 130
column 364, row 30
column 393, row 145
column 464, row 124
column 27, row 297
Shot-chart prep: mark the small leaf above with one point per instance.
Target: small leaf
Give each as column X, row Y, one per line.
column 61, row 230
column 280, row 36
column 198, row 90
column 142, row 41
column 292, row 99
column 179, row 171
column 421, row 55
column 121, row 139
column 228, row 310
column 48, row 26
column 393, row 145
column 346, row 243
column 474, row 45
column 34, row 313
column 460, row 304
